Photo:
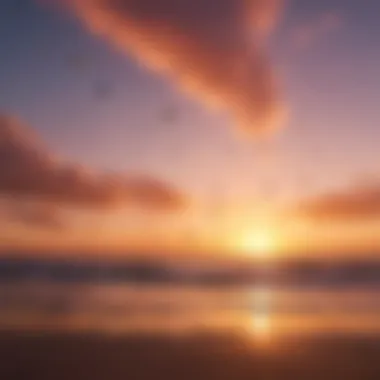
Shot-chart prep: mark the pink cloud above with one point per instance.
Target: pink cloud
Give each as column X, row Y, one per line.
column 30, row 173
column 213, row 49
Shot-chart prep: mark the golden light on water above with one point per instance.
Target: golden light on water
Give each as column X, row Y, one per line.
column 260, row 324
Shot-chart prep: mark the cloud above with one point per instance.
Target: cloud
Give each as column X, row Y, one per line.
column 213, row 49
column 30, row 173
column 31, row 214
column 358, row 203
column 308, row 33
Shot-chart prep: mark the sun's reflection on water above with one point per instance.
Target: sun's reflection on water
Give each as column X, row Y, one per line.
column 261, row 323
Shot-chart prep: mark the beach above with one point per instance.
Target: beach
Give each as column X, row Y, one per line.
column 204, row 356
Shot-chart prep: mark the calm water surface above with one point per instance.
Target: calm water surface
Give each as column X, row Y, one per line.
column 265, row 312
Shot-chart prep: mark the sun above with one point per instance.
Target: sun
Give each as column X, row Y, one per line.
column 261, row 325
column 260, row 244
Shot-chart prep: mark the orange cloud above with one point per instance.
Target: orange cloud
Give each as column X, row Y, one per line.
column 31, row 214
column 214, row 49
column 359, row 203
column 307, row 34
column 30, row 173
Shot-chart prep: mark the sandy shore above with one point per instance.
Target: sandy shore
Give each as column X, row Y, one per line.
column 56, row 356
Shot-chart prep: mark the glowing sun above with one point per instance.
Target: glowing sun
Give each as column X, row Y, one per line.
column 260, row 244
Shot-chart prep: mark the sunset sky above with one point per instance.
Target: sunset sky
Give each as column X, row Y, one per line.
column 143, row 138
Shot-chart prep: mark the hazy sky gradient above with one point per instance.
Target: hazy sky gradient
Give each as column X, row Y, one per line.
column 51, row 69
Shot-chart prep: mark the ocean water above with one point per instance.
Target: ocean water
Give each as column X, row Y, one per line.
column 265, row 312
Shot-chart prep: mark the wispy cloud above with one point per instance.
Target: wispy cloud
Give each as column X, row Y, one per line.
column 30, row 174
column 311, row 32
column 215, row 49
column 354, row 204
column 31, row 214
